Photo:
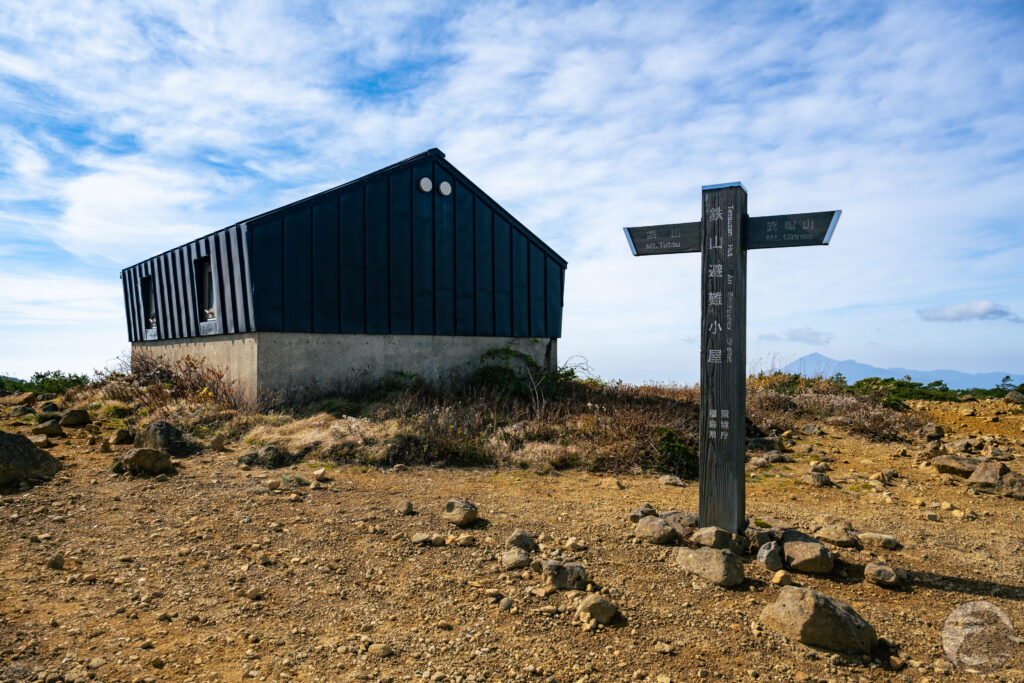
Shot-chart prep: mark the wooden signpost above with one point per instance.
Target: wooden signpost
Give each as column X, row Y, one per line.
column 723, row 236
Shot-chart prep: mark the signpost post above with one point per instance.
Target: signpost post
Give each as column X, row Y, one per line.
column 723, row 236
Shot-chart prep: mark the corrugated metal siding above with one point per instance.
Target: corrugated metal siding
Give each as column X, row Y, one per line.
column 374, row 256
column 174, row 284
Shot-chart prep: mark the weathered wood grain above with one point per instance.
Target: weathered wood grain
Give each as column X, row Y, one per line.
column 760, row 232
column 722, row 498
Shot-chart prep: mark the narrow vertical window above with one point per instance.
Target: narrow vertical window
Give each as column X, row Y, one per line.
column 207, row 293
column 148, row 302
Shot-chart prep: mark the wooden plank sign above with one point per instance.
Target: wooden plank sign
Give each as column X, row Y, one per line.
column 723, row 236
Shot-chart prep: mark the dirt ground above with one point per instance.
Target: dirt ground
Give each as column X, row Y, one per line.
column 210, row 575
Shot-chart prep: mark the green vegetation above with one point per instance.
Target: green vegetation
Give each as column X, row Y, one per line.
column 49, row 382
column 893, row 392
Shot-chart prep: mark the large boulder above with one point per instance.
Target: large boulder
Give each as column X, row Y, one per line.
column 48, row 428
column 1015, row 397
column 961, row 466
column 818, row 620
column 20, row 460
column 164, row 437
column 75, row 418
column 22, row 411
column 144, row 461
column 719, row 566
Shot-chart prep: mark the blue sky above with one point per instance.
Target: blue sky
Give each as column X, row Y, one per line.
column 128, row 129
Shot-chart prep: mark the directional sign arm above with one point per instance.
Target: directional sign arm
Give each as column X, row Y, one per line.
column 673, row 238
column 762, row 232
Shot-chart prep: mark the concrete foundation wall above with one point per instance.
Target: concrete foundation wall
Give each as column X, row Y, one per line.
column 287, row 364
column 234, row 354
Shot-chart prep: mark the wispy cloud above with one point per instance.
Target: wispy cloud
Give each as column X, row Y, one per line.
column 806, row 335
column 149, row 126
column 975, row 310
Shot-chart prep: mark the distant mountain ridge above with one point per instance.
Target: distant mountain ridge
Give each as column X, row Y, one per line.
column 815, row 364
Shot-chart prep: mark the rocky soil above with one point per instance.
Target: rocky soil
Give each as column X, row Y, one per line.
column 225, row 572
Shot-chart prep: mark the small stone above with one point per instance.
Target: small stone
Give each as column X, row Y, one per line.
column 218, row 443
column 837, row 536
column 655, row 530
column 721, row 567
column 460, row 512
column 320, row 474
column 575, row 544
column 671, row 480
column 105, row 447
column 988, row 475
column 564, row 576
column 874, row 540
column 645, row 510
column 404, row 508
column 48, row 428
column 596, row 607
column 40, row 441
column 515, row 558
column 96, row 663
column 960, row 466
column 465, row 541
column 881, row 574
column 505, row 604
column 712, row 537
column 380, row 650
column 120, row 436
column 770, row 554
column 612, row 483
column 55, row 561
column 141, row 461
column 933, row 432
column 808, row 556
column 817, row 479
column 520, row 539
column 438, row 540
column 420, row 539
column 253, row 593
column 782, row 578
column 663, row 648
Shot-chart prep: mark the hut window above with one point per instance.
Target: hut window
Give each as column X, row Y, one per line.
column 207, row 294
column 148, row 303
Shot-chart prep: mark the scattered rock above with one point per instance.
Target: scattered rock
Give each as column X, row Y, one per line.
column 465, row 541
column 712, row 537
column 269, row 456
column 40, row 441
column 55, row 561
column 960, row 466
column 380, row 650
column 818, row 620
column 218, row 443
column 564, row 576
column 75, row 418
column 645, row 510
column 881, row 574
column 682, row 522
column 20, row 399
column 420, row 538
column 721, row 567
column 22, row 411
column 48, row 428
column 460, row 512
column 294, row 480
column 121, row 436
column 670, row 480
column 597, row 607
column 932, row 431
column 655, row 530
column 782, row 578
column 817, row 479
column 520, row 539
column 805, row 554
column 839, row 421
column 20, row 460
column 766, row 443
column 988, row 475
column 886, row 541
column 1015, row 397
column 978, row 637
column 837, row 536
column 320, row 474
column 575, row 544
column 515, row 558
column 811, row 429
column 770, row 555
column 164, row 437
column 140, row 461
column 404, row 508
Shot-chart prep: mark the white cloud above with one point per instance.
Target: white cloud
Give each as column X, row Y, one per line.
column 975, row 310
column 578, row 119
